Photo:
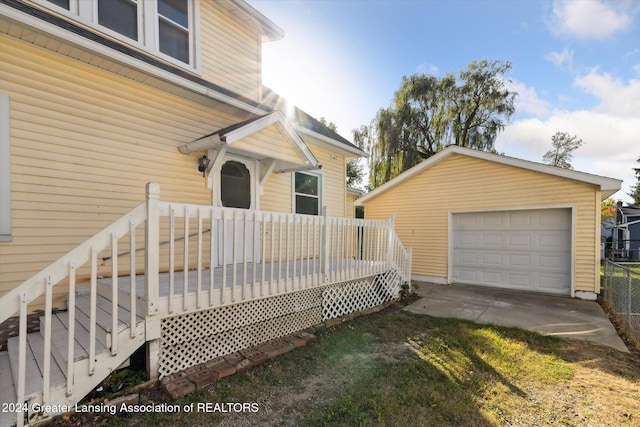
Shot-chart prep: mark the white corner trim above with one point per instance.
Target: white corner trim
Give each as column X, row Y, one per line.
column 586, row 295
column 429, row 279
column 5, row 169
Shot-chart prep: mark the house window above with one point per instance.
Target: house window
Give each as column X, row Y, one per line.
column 62, row 3
column 5, row 170
column 120, row 16
column 235, row 185
column 173, row 28
column 167, row 28
column 306, row 193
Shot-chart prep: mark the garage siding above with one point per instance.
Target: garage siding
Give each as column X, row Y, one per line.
column 462, row 183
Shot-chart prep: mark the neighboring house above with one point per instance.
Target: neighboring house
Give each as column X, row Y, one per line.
column 477, row 218
column 352, row 195
column 625, row 233
column 99, row 98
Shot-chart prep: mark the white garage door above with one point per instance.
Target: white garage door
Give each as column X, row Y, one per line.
column 523, row 249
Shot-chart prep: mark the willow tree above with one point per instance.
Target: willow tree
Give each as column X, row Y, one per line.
column 429, row 113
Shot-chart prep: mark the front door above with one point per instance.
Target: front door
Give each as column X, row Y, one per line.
column 236, row 190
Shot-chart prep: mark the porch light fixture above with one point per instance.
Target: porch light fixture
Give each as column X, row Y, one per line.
column 203, row 164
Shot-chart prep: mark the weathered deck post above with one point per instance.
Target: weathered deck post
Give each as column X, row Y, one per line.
column 392, row 221
column 408, row 268
column 152, row 274
column 324, row 244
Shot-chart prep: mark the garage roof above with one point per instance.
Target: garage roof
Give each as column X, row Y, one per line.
column 608, row 186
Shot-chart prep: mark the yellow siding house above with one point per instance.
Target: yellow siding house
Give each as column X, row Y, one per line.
column 477, row 218
column 154, row 193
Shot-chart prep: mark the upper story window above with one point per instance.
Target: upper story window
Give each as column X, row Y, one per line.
column 164, row 27
column 173, row 28
column 120, row 16
column 306, row 193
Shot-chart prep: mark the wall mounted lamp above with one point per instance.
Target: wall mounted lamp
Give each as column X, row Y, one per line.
column 203, row 164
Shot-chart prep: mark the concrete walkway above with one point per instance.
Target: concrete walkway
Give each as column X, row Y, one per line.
column 549, row 315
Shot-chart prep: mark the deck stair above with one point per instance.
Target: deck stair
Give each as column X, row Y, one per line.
column 83, row 380
column 214, row 257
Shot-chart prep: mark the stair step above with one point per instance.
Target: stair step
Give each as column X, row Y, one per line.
column 82, row 336
column 35, row 365
column 103, row 317
column 60, row 337
column 7, row 389
column 124, row 296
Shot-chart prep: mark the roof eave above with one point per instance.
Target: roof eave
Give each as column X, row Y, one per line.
column 607, row 186
column 351, row 151
column 271, row 32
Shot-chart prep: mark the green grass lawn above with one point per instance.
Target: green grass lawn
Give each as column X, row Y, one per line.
column 394, row 368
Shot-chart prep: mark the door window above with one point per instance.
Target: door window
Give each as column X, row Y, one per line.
column 235, row 185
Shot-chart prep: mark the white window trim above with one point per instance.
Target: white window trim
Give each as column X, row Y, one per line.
column 320, row 175
column 86, row 13
column 5, row 169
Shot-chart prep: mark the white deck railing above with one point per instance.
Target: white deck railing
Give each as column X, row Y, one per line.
column 195, row 257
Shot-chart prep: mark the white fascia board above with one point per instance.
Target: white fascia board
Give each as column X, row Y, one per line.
column 99, row 49
column 288, row 132
column 607, row 185
column 204, row 144
column 356, row 152
column 297, row 143
column 253, row 127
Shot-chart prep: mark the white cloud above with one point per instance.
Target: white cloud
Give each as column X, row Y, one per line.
column 561, row 59
column 527, row 100
column 427, row 68
column 588, row 19
column 611, row 142
column 611, row 131
column 615, row 96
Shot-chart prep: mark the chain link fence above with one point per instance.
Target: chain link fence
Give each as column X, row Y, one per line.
column 621, row 291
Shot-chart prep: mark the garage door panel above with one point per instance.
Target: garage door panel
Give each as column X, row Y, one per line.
column 493, row 259
column 520, row 220
column 521, row 261
column 552, row 284
column 525, row 249
column 466, row 258
column 466, row 240
column 519, row 241
column 521, row 281
column 494, row 240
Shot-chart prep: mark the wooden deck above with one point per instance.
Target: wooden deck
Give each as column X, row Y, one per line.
column 227, row 285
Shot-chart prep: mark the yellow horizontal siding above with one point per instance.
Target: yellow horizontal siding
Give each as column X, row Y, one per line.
column 460, row 183
column 260, row 143
column 84, row 143
column 230, row 50
column 278, row 192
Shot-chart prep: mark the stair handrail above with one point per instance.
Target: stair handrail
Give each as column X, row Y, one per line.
column 36, row 285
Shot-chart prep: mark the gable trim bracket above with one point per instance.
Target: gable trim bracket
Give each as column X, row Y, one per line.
column 231, row 134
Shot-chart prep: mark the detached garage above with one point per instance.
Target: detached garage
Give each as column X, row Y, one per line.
column 484, row 219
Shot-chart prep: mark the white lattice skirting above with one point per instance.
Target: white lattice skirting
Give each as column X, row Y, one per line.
column 195, row 338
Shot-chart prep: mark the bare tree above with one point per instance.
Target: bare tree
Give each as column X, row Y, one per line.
column 563, row 146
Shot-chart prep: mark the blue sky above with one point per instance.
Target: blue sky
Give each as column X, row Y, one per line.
column 576, row 65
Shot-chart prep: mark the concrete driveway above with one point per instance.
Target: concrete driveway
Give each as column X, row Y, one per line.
column 549, row 315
